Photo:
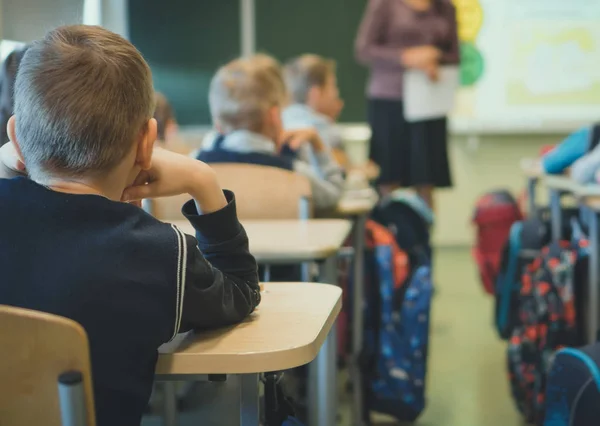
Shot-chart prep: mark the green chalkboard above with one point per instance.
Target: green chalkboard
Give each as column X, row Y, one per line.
column 287, row 28
column 185, row 41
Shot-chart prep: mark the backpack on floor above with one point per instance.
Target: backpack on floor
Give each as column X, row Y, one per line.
column 398, row 300
column 573, row 389
column 494, row 215
column 549, row 317
column 526, row 239
column 408, row 218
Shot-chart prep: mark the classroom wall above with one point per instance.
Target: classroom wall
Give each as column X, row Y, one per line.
column 42, row 15
column 493, row 164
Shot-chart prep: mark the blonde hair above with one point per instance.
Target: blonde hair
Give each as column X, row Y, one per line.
column 240, row 94
column 273, row 67
column 83, row 96
column 305, row 72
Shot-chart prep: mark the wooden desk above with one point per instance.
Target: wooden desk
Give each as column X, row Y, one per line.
column 288, row 329
column 296, row 242
column 291, row 241
column 354, row 206
column 531, row 167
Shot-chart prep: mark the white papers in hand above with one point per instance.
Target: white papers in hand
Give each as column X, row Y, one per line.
column 425, row 99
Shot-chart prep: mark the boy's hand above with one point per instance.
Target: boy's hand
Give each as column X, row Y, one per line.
column 173, row 174
column 10, row 164
column 295, row 138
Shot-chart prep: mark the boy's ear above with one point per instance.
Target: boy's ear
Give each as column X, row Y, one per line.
column 11, row 128
column 146, row 145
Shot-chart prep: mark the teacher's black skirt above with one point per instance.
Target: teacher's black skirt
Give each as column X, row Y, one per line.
column 409, row 154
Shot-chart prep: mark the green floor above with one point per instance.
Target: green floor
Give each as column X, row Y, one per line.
column 467, row 383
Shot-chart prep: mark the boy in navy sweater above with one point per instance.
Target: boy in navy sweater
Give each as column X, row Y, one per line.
column 71, row 245
column 245, row 102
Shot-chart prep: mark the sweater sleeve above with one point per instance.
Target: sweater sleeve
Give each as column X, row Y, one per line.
column 219, row 275
column 451, row 55
column 584, row 170
column 326, row 180
column 570, row 150
column 370, row 46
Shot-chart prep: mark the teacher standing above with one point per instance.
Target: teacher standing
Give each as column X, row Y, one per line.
column 396, row 35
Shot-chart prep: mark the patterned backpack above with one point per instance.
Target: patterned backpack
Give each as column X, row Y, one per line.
column 396, row 329
column 549, row 320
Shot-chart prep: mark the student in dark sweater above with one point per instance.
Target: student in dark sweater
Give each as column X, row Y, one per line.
column 245, row 102
column 72, row 245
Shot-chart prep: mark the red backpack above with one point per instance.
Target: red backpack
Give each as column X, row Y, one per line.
column 495, row 213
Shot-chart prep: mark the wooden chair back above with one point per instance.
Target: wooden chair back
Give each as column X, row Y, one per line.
column 36, row 349
column 261, row 193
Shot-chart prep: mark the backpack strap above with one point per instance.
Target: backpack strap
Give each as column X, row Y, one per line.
column 594, row 136
column 506, row 284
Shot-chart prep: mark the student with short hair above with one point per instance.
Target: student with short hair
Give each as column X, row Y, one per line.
column 83, row 133
column 315, row 102
column 167, row 128
column 245, row 102
column 8, row 73
column 315, row 99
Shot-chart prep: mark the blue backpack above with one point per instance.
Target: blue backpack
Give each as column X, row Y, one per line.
column 526, row 239
column 573, row 388
column 397, row 318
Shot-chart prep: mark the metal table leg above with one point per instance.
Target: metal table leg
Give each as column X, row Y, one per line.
column 322, row 376
column 249, row 399
column 556, row 215
column 357, row 319
column 531, row 185
column 593, row 283
column 170, row 413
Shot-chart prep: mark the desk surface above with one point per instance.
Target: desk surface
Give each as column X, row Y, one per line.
column 353, row 205
column 531, row 167
column 291, row 240
column 286, row 331
column 562, row 183
column 588, row 194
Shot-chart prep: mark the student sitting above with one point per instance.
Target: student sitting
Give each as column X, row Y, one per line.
column 315, row 102
column 570, row 150
column 83, row 131
column 167, row 127
column 245, row 102
column 8, row 74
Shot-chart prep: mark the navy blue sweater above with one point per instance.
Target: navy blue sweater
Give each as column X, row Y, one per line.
column 130, row 280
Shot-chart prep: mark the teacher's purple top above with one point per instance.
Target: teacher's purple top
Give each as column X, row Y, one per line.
column 388, row 27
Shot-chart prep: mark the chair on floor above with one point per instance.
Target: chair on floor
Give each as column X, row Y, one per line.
column 261, row 193
column 45, row 370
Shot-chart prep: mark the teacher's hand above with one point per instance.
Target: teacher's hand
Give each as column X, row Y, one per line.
column 420, row 57
column 433, row 72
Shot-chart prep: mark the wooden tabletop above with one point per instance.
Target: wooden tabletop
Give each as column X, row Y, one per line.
column 531, row 167
column 562, row 183
column 356, row 203
column 287, row 330
column 291, row 240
